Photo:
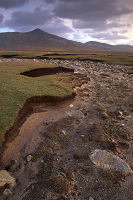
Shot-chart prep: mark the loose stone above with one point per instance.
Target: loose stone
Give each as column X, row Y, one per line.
column 108, row 161
column 6, row 178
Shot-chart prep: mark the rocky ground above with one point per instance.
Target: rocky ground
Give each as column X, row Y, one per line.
column 77, row 150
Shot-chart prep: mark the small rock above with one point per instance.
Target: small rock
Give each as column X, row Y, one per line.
column 6, row 178
column 7, row 192
column 29, row 158
column 108, row 161
column 83, row 136
column 104, row 115
column 13, row 167
column 71, row 105
column 85, row 93
column 120, row 115
column 90, row 198
column 64, row 132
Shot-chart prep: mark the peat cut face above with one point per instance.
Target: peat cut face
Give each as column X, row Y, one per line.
column 10, row 56
column 46, row 71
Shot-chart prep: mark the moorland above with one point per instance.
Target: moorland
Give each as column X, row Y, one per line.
column 65, row 114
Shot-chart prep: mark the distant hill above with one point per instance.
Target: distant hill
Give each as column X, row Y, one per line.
column 38, row 40
column 108, row 47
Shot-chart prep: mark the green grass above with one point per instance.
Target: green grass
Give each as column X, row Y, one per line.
column 21, row 54
column 15, row 89
column 104, row 74
column 130, row 72
column 115, row 59
column 110, row 58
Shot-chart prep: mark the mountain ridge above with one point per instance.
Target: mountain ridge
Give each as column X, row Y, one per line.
column 39, row 40
column 109, row 47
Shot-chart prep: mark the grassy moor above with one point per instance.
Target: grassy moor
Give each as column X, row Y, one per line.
column 16, row 88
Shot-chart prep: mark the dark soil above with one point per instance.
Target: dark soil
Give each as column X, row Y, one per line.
column 61, row 137
column 10, row 56
column 46, row 71
column 28, row 109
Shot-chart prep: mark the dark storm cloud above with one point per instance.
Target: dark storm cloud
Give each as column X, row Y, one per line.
column 87, row 13
column 98, row 25
column 1, row 18
column 27, row 18
column 50, row 1
column 57, row 27
column 12, row 3
column 89, row 10
column 64, row 17
column 43, row 19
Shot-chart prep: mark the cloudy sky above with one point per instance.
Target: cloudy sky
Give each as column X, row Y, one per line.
column 80, row 20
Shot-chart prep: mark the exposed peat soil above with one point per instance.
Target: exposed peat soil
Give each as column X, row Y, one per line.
column 61, row 136
column 46, row 71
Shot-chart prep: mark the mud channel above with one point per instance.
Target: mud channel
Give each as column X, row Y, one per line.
column 50, row 155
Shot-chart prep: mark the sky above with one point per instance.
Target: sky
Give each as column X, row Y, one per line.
column 108, row 21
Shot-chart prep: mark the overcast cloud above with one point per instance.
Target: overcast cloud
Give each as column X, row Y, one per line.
column 1, row 18
column 109, row 36
column 26, row 18
column 81, row 20
column 12, row 3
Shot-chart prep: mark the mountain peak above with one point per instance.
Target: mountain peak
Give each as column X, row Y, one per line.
column 37, row 30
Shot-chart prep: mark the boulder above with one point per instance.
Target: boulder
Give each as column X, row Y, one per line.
column 77, row 114
column 108, row 161
column 6, row 178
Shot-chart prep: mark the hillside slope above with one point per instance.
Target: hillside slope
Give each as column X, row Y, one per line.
column 37, row 40
column 108, row 47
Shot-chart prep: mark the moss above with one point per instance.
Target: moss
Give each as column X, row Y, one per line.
column 59, row 184
column 113, row 176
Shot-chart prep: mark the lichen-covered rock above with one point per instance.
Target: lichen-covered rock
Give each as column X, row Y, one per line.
column 108, row 161
column 6, row 178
